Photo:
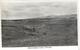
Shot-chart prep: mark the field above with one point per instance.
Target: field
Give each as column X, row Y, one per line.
column 57, row 31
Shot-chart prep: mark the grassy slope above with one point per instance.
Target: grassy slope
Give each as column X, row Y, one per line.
column 40, row 31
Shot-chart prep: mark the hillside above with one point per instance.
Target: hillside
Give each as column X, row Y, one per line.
column 58, row 31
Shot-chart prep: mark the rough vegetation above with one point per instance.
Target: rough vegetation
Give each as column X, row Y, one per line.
column 58, row 31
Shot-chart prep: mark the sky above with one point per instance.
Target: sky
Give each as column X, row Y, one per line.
column 5, row 2
column 15, row 9
column 40, row 0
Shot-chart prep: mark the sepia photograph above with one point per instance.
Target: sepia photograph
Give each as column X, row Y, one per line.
column 39, row 23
